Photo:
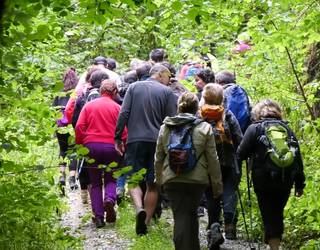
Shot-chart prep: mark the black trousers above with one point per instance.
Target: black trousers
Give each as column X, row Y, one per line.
column 184, row 200
column 64, row 147
column 271, row 204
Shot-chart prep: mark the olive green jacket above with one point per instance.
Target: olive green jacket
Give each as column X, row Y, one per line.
column 207, row 170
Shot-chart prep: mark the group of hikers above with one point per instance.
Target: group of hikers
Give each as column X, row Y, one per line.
column 191, row 146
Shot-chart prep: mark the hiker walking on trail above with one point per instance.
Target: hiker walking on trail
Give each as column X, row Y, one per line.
column 276, row 166
column 70, row 80
column 183, row 179
column 95, row 130
column 228, row 135
column 144, row 107
column 235, row 98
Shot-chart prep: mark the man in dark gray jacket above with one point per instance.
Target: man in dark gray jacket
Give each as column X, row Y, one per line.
column 144, row 108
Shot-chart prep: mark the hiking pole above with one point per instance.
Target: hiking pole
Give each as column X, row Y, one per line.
column 249, row 201
column 244, row 220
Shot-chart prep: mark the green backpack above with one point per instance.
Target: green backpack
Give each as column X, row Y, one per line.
column 281, row 145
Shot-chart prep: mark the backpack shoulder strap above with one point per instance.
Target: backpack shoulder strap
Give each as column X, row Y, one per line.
column 91, row 94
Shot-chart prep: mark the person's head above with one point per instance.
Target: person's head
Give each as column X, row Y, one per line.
column 70, row 79
column 188, row 103
column 203, row 77
column 97, row 77
column 170, row 67
column 158, row 55
column 130, row 77
column 100, row 60
column 267, row 109
column 111, row 64
column 225, row 77
column 136, row 63
column 160, row 73
column 143, row 71
column 213, row 94
column 109, row 87
column 90, row 70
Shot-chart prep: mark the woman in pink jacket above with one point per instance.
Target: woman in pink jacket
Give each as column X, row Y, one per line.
column 95, row 130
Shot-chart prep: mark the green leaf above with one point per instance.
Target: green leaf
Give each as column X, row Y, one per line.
column 82, row 151
column 113, row 165
column 91, row 161
column 177, row 6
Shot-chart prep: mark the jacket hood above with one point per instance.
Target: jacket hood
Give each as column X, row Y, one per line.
column 180, row 119
column 212, row 112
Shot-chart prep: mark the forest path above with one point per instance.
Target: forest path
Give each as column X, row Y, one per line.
column 77, row 220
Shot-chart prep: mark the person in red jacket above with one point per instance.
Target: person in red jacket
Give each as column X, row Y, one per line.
column 95, row 130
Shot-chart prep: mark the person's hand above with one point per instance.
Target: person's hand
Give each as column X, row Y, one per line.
column 119, row 146
column 298, row 192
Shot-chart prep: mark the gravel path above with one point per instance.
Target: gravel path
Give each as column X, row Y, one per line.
column 78, row 221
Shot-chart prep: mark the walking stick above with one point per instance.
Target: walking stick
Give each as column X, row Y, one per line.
column 249, row 200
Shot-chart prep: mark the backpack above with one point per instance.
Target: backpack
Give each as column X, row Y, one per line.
column 81, row 101
column 181, row 151
column 236, row 100
column 224, row 144
column 280, row 147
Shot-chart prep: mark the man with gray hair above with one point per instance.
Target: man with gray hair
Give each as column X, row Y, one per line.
column 144, row 107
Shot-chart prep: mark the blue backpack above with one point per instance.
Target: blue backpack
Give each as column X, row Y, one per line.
column 236, row 100
column 181, row 151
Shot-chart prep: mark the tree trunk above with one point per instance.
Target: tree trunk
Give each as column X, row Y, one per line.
column 313, row 71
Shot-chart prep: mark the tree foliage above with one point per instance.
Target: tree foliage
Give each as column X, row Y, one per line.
column 40, row 39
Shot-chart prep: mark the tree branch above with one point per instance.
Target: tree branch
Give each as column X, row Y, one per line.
column 297, row 78
column 300, row 85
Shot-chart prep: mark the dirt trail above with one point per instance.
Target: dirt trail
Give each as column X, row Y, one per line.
column 78, row 221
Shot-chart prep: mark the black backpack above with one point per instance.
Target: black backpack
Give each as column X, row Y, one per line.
column 81, row 101
column 181, row 151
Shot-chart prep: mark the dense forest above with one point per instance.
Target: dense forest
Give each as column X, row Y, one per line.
column 41, row 38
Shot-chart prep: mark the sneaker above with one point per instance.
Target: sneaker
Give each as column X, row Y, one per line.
column 200, row 211
column 72, row 183
column 230, row 232
column 141, row 227
column 111, row 213
column 214, row 237
column 99, row 222
column 84, row 196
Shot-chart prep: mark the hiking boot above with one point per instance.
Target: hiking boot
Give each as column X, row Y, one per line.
column 230, row 232
column 200, row 211
column 84, row 196
column 141, row 227
column 214, row 237
column 111, row 213
column 98, row 222
column 72, row 183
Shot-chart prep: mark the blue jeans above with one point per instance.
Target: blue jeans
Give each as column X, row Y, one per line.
column 229, row 199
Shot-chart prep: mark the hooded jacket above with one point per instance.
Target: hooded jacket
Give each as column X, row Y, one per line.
column 207, row 170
